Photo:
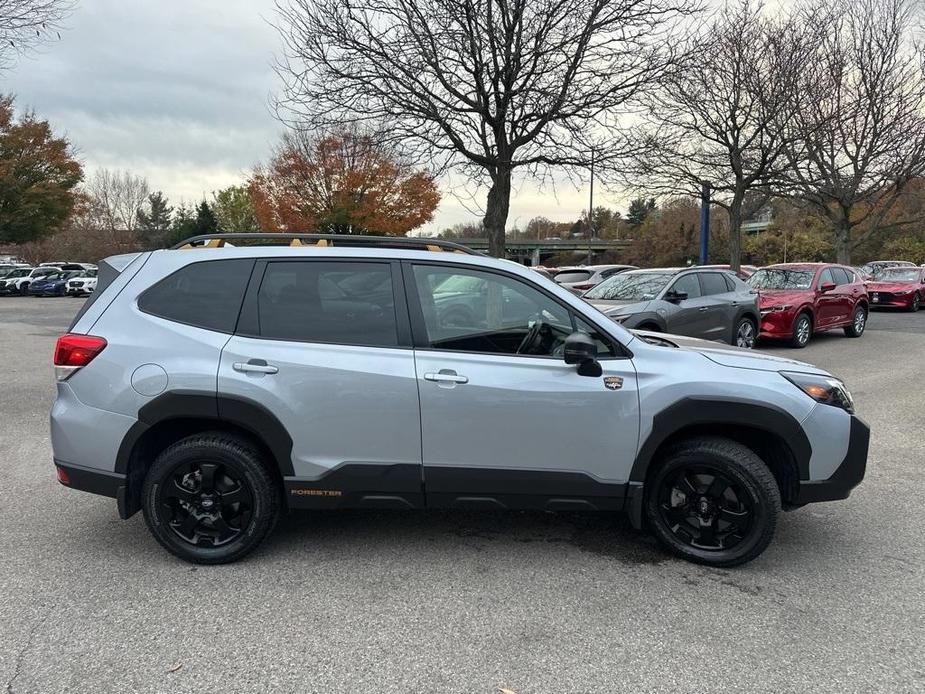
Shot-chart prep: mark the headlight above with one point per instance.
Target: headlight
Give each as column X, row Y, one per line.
column 824, row 389
column 904, row 292
column 776, row 309
column 620, row 318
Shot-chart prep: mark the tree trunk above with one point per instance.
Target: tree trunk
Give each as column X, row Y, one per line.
column 843, row 241
column 735, row 233
column 496, row 210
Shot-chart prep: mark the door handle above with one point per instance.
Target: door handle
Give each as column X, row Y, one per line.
column 258, row 366
column 445, row 376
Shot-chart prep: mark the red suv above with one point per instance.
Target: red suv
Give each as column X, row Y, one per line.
column 798, row 299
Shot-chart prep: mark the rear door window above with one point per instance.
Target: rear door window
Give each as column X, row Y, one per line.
column 712, row 283
column 341, row 302
column 207, row 294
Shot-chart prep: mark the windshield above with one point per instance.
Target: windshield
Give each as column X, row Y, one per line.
column 630, row 286
column 897, row 274
column 778, row 278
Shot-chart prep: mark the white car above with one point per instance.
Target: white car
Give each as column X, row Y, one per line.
column 84, row 285
column 18, row 281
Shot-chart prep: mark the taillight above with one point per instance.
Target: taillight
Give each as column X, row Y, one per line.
column 75, row 351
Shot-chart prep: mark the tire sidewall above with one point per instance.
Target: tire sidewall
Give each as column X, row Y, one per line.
column 763, row 509
column 796, row 324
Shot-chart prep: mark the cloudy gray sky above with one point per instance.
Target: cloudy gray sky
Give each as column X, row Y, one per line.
column 178, row 91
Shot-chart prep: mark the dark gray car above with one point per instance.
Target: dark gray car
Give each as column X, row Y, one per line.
column 708, row 304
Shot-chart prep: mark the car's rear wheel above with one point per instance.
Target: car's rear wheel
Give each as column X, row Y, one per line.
column 24, row 289
column 745, row 333
column 858, row 322
column 713, row 501
column 210, row 499
column 802, row 330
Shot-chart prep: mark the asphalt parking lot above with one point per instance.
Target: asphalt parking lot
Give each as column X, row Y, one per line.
column 458, row 602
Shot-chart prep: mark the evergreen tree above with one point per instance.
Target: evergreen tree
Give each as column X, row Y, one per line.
column 155, row 222
column 639, row 210
column 206, row 223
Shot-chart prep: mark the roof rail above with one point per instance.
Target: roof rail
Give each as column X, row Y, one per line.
column 324, row 240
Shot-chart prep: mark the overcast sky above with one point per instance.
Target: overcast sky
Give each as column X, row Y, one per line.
column 178, row 91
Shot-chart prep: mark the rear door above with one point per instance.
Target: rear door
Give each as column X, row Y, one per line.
column 504, row 420
column 325, row 347
column 848, row 292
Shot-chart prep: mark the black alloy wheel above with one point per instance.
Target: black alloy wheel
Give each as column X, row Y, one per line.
column 210, row 498
column 916, row 303
column 207, row 504
column 705, row 508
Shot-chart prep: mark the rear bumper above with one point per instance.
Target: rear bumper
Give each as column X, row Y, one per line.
column 847, row 476
column 88, row 480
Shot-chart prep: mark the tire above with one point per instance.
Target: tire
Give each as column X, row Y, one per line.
column 802, row 335
column 858, row 322
column 732, row 527
column 24, row 289
column 916, row 303
column 176, row 482
column 745, row 333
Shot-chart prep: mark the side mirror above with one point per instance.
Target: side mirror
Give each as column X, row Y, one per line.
column 826, row 287
column 580, row 349
column 675, row 296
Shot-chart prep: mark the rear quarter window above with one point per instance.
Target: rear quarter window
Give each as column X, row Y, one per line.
column 206, row 294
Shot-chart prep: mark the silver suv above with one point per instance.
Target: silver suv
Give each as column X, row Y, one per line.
column 215, row 388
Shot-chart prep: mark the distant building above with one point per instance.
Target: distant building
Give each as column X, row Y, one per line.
column 759, row 222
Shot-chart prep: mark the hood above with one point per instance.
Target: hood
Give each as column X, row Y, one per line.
column 735, row 357
column 776, row 297
column 618, row 308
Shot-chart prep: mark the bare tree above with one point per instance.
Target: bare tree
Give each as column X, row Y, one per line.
column 490, row 87
column 116, row 197
column 860, row 129
column 718, row 119
column 25, row 24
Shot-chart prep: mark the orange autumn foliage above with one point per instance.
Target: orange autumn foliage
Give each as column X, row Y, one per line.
column 343, row 184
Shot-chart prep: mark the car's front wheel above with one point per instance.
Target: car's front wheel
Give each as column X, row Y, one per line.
column 858, row 322
column 802, row 331
column 916, row 303
column 210, row 499
column 713, row 501
column 745, row 333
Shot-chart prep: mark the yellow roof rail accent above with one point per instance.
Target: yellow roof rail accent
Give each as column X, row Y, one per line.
column 215, row 243
column 323, row 243
column 434, row 249
column 296, row 242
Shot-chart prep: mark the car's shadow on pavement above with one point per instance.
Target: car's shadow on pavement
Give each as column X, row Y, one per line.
column 606, row 535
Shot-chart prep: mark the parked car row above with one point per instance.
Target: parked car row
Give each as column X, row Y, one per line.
column 48, row 279
column 790, row 302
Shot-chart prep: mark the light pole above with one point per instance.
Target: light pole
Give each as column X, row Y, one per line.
column 591, row 207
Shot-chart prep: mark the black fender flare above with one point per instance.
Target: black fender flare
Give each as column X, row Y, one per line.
column 244, row 413
column 707, row 411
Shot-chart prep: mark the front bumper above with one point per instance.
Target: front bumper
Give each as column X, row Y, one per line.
column 890, row 300
column 777, row 324
column 846, row 476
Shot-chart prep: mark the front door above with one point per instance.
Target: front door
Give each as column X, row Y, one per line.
column 324, row 347
column 505, row 422
column 690, row 316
